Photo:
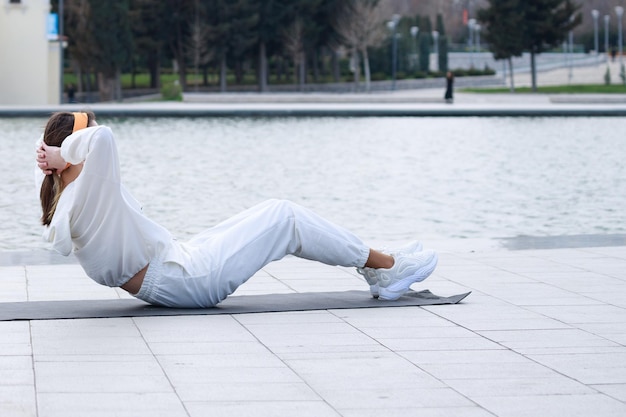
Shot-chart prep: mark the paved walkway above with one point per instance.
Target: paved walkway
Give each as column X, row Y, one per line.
column 542, row 334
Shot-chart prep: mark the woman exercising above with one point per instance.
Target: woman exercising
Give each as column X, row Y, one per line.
column 88, row 211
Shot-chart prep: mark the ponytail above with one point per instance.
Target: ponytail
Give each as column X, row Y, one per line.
column 49, row 195
column 59, row 127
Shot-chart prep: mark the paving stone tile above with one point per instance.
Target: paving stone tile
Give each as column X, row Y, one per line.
column 206, row 348
column 400, row 396
column 617, row 391
column 583, row 314
column 100, row 377
column 545, row 338
column 261, row 409
column 439, row 343
column 363, row 372
column 245, row 391
column 18, row 401
column 15, row 338
column 110, row 404
column 387, row 411
column 589, row 368
column 186, row 374
column 514, row 385
column 258, row 359
column 296, row 317
column 463, row 356
column 391, row 317
column 191, row 329
column 87, row 337
column 16, row 370
column 553, row 405
column 497, row 370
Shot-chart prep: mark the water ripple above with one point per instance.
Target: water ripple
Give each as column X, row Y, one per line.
column 389, row 179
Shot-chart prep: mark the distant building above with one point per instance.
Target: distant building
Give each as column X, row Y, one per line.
column 29, row 61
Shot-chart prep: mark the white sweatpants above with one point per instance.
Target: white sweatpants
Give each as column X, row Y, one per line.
column 222, row 258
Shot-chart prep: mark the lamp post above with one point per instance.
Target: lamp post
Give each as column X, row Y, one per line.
column 619, row 11
column 392, row 25
column 414, row 31
column 606, row 34
column 595, row 14
column 61, row 66
column 471, row 24
column 571, row 49
column 436, row 44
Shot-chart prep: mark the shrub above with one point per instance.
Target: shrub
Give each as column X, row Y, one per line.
column 607, row 76
column 172, row 91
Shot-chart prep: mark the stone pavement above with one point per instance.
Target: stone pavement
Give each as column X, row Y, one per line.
column 542, row 334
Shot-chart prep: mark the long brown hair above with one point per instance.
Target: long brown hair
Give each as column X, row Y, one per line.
column 59, row 127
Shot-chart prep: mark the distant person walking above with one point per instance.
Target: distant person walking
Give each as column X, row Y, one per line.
column 71, row 94
column 449, row 87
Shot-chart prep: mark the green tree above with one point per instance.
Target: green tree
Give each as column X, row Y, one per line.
column 442, row 45
column 443, row 54
column 361, row 25
column 272, row 16
column 544, row 25
column 238, row 36
column 110, row 28
column 504, row 43
column 147, row 20
column 179, row 17
column 80, row 41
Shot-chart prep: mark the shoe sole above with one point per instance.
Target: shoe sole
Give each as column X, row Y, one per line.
column 398, row 289
column 374, row 290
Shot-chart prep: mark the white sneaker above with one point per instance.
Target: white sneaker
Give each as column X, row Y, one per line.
column 394, row 282
column 369, row 273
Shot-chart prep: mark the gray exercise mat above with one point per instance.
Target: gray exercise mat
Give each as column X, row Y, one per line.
column 266, row 303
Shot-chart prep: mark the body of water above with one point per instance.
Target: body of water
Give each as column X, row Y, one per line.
column 387, row 179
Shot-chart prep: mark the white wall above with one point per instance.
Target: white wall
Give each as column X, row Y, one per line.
column 26, row 64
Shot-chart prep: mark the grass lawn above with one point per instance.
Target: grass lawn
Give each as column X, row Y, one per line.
column 557, row 89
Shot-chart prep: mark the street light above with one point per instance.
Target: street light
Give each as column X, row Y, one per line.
column 470, row 25
column 595, row 15
column 436, row 41
column 414, row 31
column 606, row 34
column 61, row 66
column 392, row 25
column 571, row 49
column 619, row 10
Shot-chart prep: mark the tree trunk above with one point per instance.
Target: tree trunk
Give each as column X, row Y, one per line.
column 118, row 85
column 238, row 73
column 302, row 70
column 223, row 73
column 366, row 69
column 295, row 68
column 357, row 68
column 262, row 68
column 336, row 69
column 105, row 87
column 533, row 71
column 316, row 68
column 205, row 75
column 511, row 72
